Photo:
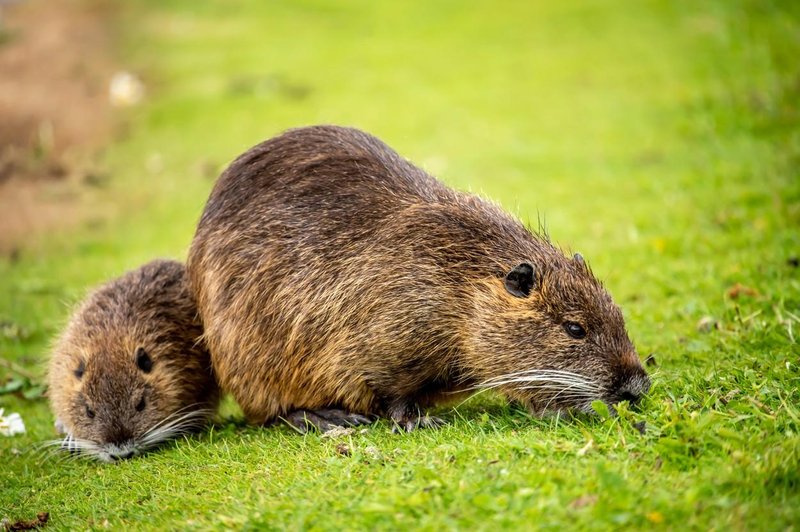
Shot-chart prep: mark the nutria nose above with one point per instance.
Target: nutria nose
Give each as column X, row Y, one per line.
column 634, row 388
column 122, row 456
column 631, row 397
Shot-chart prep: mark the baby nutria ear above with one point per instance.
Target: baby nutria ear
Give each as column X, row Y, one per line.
column 519, row 281
column 79, row 371
column 578, row 258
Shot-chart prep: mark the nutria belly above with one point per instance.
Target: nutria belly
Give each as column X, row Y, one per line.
column 325, row 352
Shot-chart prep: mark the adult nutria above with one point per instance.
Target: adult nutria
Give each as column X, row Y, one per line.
column 130, row 370
column 336, row 280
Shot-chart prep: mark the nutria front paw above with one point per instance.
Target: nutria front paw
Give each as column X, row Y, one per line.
column 409, row 417
column 324, row 419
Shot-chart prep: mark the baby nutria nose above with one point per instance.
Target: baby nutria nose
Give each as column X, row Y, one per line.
column 118, row 435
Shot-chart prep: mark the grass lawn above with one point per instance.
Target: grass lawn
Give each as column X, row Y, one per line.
column 659, row 139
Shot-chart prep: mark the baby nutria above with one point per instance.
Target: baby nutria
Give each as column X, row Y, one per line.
column 336, row 281
column 130, row 370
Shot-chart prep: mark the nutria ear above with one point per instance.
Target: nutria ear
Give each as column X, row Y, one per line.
column 143, row 360
column 519, row 281
column 578, row 258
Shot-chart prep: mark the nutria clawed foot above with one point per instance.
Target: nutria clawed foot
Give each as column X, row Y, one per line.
column 409, row 417
column 325, row 419
column 405, row 418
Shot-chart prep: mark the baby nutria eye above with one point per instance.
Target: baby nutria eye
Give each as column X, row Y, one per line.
column 89, row 412
column 80, row 369
column 574, row 329
column 140, row 405
column 143, row 360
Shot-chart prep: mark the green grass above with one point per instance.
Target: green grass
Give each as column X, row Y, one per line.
column 660, row 139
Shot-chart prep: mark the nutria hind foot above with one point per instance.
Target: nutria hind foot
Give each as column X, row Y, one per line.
column 407, row 417
column 324, row 419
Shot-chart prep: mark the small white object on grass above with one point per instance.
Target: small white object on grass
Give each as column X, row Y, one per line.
column 11, row 425
column 125, row 90
column 338, row 432
column 585, row 449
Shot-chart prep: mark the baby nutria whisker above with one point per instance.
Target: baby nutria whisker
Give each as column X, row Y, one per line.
column 183, row 424
column 190, row 410
column 78, row 446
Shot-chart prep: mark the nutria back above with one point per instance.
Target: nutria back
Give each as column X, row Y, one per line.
column 330, row 273
column 130, row 369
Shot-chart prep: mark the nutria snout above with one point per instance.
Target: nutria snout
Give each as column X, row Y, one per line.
column 336, row 280
column 130, row 371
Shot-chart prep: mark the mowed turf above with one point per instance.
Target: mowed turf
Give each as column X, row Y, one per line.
column 659, row 139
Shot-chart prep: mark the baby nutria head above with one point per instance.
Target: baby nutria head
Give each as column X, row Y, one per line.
column 130, row 371
column 556, row 340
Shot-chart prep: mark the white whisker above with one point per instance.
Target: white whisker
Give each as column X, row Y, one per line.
column 547, row 384
column 176, row 413
column 176, row 424
column 539, row 381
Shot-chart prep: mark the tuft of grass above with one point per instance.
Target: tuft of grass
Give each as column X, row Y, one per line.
column 660, row 140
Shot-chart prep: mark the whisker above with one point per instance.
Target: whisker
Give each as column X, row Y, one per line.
column 76, row 448
column 552, row 385
column 46, row 451
column 187, row 419
column 566, row 393
column 195, row 416
column 535, row 381
column 539, row 372
column 173, row 426
column 176, row 413
column 559, row 385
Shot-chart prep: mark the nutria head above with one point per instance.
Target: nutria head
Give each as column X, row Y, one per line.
column 552, row 338
column 129, row 372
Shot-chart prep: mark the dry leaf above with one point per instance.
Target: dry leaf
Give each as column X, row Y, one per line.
column 741, row 290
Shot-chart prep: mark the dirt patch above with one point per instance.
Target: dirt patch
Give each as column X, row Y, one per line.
column 56, row 60
column 32, row 524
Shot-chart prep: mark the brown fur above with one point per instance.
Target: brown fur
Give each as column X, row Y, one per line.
column 332, row 273
column 93, row 368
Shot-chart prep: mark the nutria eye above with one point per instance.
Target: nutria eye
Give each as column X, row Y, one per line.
column 143, row 360
column 140, row 405
column 574, row 329
column 89, row 413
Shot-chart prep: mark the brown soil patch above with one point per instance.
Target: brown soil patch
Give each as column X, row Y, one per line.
column 55, row 59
